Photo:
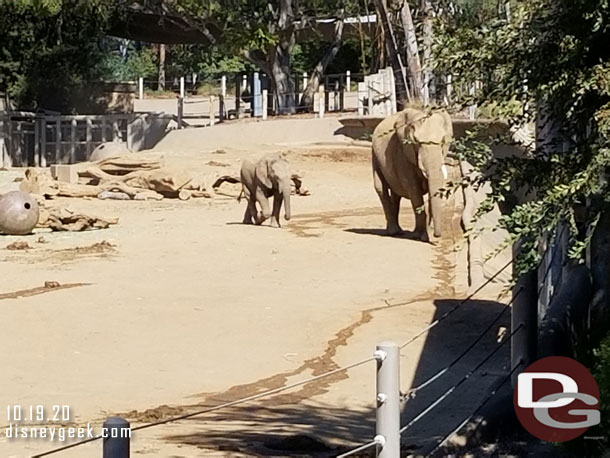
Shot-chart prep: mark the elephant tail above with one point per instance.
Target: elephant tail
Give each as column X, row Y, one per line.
column 241, row 194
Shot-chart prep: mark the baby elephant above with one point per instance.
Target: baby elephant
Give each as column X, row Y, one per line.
column 270, row 176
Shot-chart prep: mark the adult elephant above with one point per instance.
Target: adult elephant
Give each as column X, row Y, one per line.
column 270, row 176
column 409, row 150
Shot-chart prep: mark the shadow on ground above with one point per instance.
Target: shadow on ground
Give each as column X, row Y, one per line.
column 290, row 426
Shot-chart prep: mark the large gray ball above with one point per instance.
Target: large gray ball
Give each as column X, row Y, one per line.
column 19, row 213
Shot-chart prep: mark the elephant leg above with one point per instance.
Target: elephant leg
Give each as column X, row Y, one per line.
column 263, row 201
column 250, row 214
column 277, row 206
column 419, row 209
column 389, row 203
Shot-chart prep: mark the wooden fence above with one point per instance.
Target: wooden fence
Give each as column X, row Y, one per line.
column 37, row 139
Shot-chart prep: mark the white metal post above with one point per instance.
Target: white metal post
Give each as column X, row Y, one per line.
column 265, row 103
column 141, row 88
column 388, row 399
column 304, row 80
column 472, row 109
column 348, row 81
column 182, row 86
column 321, row 101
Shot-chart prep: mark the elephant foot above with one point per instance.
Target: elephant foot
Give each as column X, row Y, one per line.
column 274, row 222
column 394, row 231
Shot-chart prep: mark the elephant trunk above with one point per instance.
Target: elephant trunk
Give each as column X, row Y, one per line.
column 432, row 164
column 286, row 193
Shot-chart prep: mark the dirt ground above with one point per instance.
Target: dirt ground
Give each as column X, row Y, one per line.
column 180, row 307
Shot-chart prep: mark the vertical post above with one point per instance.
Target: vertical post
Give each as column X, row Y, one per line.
column 237, row 98
column 449, row 88
column 348, row 81
column 58, row 141
column 116, row 133
column 43, row 143
column 36, row 142
column 115, row 445
column 321, row 101
column 223, row 96
column 472, row 109
column 265, row 103
column 73, row 141
column 361, row 96
column 255, row 91
column 305, row 80
column 388, row 399
column 524, row 310
column 180, row 111
column 212, row 110
column 182, row 86
column 128, row 133
column 244, row 83
column 141, row 88
column 194, row 80
column 88, row 145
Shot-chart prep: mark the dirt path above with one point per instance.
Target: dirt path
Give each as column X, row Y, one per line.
column 189, row 308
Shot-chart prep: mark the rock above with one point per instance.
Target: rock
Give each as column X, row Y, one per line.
column 108, row 150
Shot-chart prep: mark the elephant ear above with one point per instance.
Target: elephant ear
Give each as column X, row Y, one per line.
column 262, row 173
column 407, row 123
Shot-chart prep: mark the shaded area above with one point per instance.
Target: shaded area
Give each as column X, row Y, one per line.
column 444, row 343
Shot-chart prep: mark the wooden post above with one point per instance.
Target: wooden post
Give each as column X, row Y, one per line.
column 237, row 98
column 321, row 101
column 128, row 134
column 305, row 80
column 88, row 145
column 361, row 96
column 141, row 88
column 180, row 111
column 116, row 133
column 265, row 103
column 182, row 86
column 212, row 110
column 73, row 141
column 58, row 141
column 244, row 83
column 348, row 81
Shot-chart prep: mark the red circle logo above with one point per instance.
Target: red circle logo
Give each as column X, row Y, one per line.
column 557, row 399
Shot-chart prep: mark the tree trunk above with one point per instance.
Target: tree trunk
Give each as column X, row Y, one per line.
column 281, row 80
column 428, row 42
column 161, row 67
column 278, row 59
column 413, row 62
column 316, row 76
column 402, row 90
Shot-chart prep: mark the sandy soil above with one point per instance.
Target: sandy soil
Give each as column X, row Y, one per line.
column 180, row 307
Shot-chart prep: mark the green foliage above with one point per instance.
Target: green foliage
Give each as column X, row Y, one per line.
column 550, row 60
column 139, row 61
column 49, row 48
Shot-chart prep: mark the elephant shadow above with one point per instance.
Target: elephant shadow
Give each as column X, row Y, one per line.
column 408, row 235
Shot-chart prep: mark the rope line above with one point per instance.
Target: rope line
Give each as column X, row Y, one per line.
column 466, row 377
column 220, row 406
column 359, row 449
column 462, row 302
column 413, row 391
column 506, row 378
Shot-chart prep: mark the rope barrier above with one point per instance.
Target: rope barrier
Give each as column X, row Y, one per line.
column 360, row 449
column 466, row 377
column 479, row 407
column 449, row 312
column 412, row 392
column 220, row 406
